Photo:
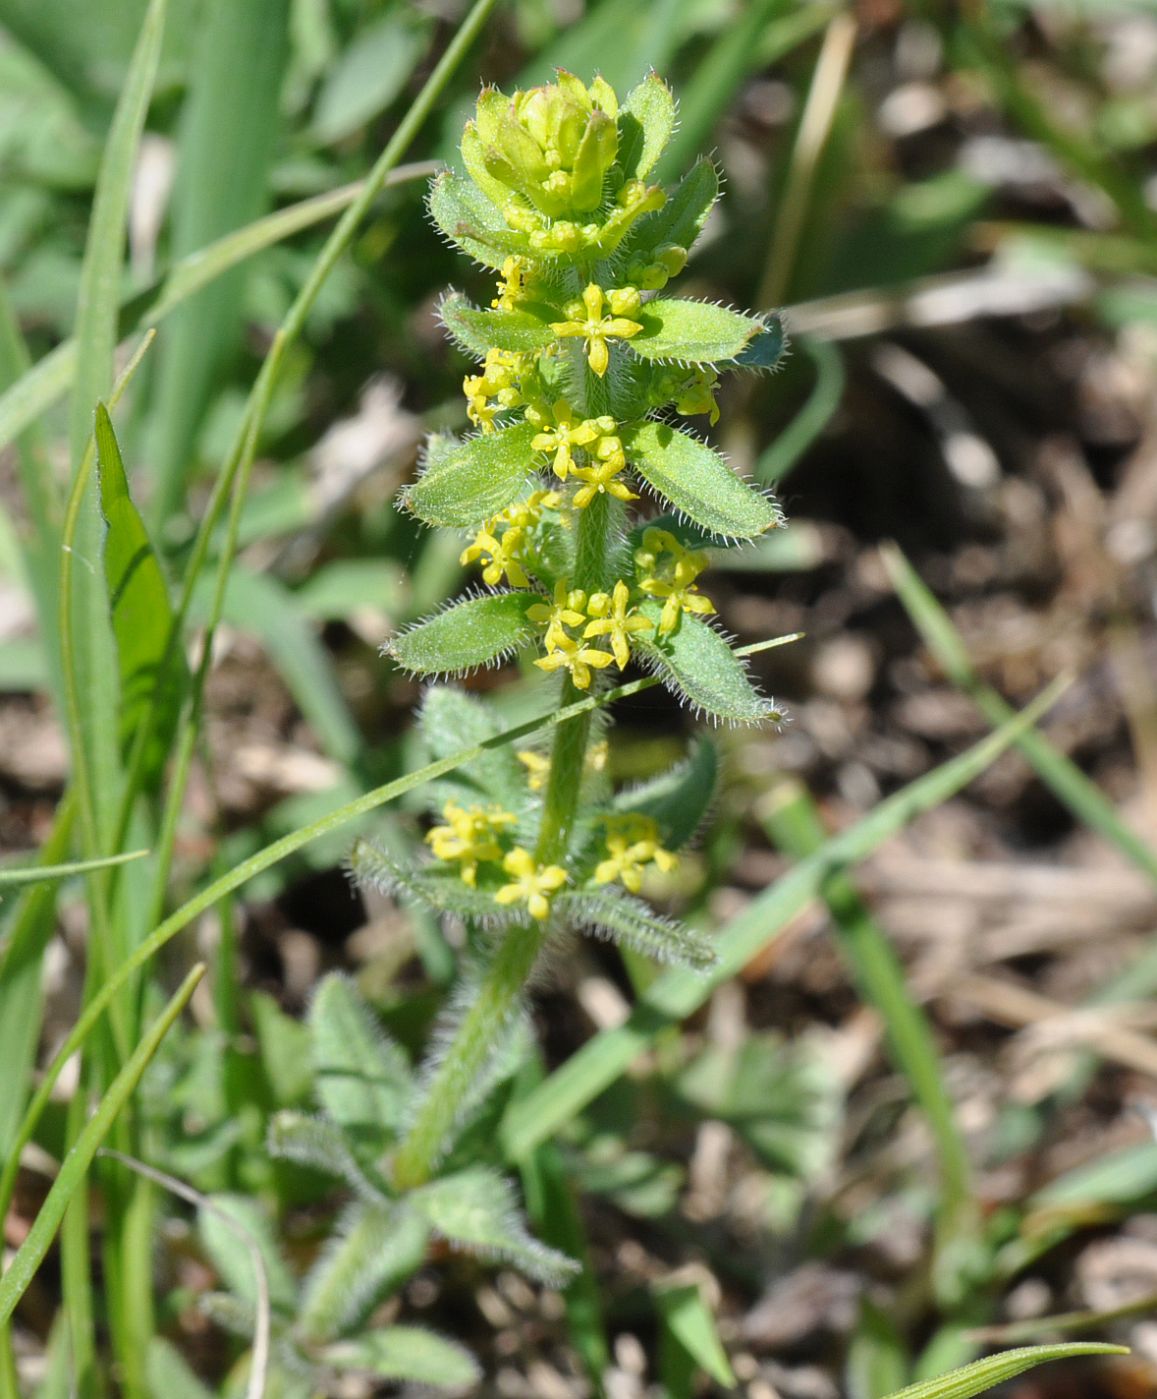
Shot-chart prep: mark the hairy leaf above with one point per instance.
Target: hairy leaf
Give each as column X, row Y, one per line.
column 464, row 214
column 408, row 1353
column 476, row 632
column 362, row 1076
column 997, row 1369
column 646, row 121
column 767, row 348
column 375, row 1250
column 438, row 889
column 470, row 481
column 475, row 1210
column 319, row 1144
column 621, row 918
column 678, row 799
column 698, row 482
column 476, row 331
column 230, row 1249
column 692, row 332
column 449, row 718
column 697, row 663
column 681, row 219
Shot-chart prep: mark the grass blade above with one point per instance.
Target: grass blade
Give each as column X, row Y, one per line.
column 72, row 1173
column 1062, row 776
column 41, row 874
column 997, row 1369
column 677, row 994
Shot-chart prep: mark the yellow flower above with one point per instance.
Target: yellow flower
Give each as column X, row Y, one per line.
column 588, row 320
column 566, row 434
column 632, row 844
column 668, row 570
column 495, row 389
column 537, row 768
column 565, row 611
column 614, row 617
column 470, row 836
column 525, row 514
column 579, row 660
column 532, row 884
column 601, row 477
column 500, row 556
column 512, row 284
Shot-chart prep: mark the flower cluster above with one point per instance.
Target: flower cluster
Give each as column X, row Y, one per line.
column 601, row 615
column 632, row 843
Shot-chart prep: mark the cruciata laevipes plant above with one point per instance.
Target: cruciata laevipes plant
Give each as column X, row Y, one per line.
column 586, row 370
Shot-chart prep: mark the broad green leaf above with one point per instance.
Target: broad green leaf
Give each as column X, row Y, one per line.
column 646, row 121
column 607, row 913
column 464, row 214
column 447, row 719
column 698, row 482
column 691, row 332
column 678, row 993
column 370, row 74
column 475, row 1210
column 141, row 611
column 698, row 664
column 362, row 1076
column 475, row 331
column 681, row 219
column 408, row 1353
column 375, row 1250
column 480, row 631
column 765, row 351
column 468, row 482
column 986, row 1374
column 317, row 1143
column 74, row 1169
column 230, row 1230
column 688, row 1320
column 679, row 799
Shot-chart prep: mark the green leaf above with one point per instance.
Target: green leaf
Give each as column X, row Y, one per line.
column 369, row 75
column 646, row 121
column 317, row 1143
column 440, row 890
column 691, row 332
column 477, row 632
column 766, row 350
column 467, row 482
column 678, row 799
column 363, row 1078
column 465, row 215
column 997, row 1369
column 475, row 1210
column 74, row 1169
column 375, row 1250
column 697, row 663
column 698, row 482
column 44, row 874
column 408, row 1353
column 230, row 1249
column 283, row 1044
column 169, row 1374
column 607, row 913
column 475, row 331
column 688, row 1320
column 449, row 718
column 681, row 219
column 141, row 611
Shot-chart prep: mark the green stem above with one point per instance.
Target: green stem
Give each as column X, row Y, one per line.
column 498, row 994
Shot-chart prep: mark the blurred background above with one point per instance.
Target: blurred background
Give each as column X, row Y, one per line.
column 957, row 207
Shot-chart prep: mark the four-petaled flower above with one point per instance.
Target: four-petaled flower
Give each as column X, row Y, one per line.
column 533, row 884
column 500, row 555
column 511, row 285
column 668, row 570
column 616, row 618
column 579, row 660
column 632, row 843
column 565, row 611
column 469, row 836
column 587, row 318
column 566, row 433
column 601, row 477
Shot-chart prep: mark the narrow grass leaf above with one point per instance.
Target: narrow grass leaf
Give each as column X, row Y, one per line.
column 40, row 874
column 141, row 611
column 70, row 1179
column 986, row 1374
